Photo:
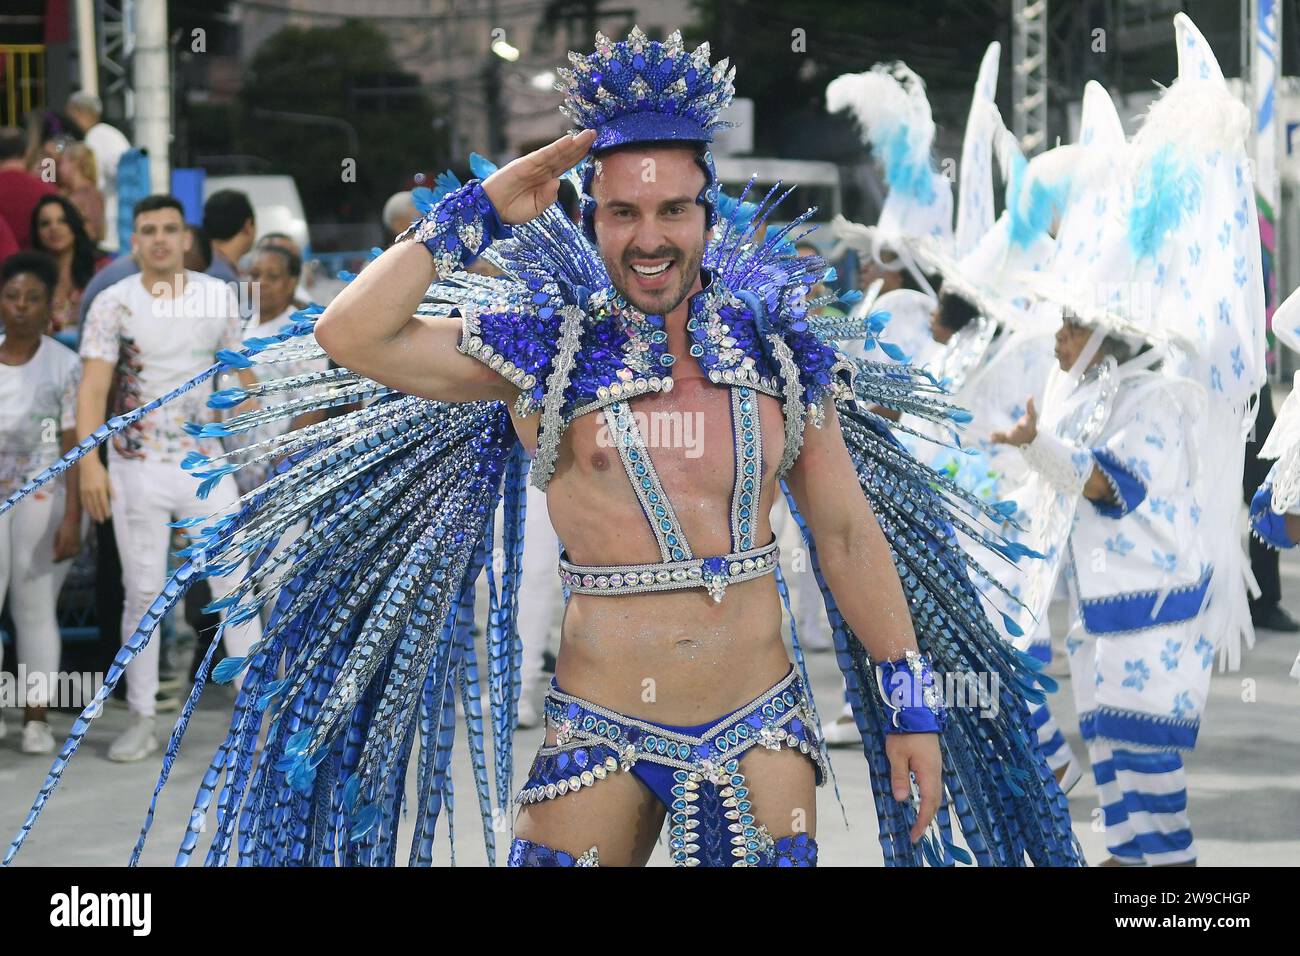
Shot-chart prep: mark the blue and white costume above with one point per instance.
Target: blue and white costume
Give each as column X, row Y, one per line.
column 986, row 368
column 1279, row 494
column 1154, row 569
column 893, row 113
column 374, row 609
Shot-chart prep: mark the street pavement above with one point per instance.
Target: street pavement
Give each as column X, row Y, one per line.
column 1243, row 777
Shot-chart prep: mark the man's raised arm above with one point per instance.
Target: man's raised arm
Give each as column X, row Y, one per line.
column 372, row 328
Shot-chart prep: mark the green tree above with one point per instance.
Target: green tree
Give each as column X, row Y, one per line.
column 328, row 74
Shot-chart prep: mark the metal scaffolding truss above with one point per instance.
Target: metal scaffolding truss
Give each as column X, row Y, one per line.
column 1029, row 74
column 114, row 27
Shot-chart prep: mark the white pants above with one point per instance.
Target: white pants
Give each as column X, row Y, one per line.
column 147, row 495
column 31, row 579
column 539, row 587
column 1143, row 793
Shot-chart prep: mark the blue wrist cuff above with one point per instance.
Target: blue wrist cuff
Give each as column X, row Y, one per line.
column 459, row 228
column 913, row 701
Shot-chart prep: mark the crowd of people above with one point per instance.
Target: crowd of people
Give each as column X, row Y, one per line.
column 1087, row 409
column 90, row 331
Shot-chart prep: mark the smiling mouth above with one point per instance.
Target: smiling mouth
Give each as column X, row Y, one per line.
column 649, row 271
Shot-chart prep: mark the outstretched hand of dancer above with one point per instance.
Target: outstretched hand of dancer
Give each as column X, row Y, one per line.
column 1023, row 432
column 916, row 754
column 521, row 189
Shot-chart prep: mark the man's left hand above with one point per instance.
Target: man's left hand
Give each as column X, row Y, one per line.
column 916, row 754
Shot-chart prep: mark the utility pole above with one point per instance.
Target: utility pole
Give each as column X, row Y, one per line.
column 87, row 50
column 152, row 87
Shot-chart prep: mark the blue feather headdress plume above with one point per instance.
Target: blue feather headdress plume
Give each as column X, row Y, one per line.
column 889, row 104
column 1033, row 200
column 1167, row 190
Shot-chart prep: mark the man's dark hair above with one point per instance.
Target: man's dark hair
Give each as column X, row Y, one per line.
column 201, row 243
column 292, row 262
column 955, row 311
column 13, row 143
column 39, row 264
column 567, row 197
column 154, row 203
column 225, row 213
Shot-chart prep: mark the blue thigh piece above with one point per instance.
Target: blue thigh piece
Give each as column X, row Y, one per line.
column 528, row 853
column 694, row 771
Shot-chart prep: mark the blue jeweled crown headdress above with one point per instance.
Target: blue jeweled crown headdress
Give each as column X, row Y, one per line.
column 641, row 91
column 644, row 91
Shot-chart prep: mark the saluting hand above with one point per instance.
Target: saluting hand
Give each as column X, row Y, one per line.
column 522, row 188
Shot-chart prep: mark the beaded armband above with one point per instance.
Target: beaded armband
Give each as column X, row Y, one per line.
column 911, row 695
column 459, row 228
column 1064, row 465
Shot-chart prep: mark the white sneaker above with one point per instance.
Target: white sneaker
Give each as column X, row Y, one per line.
column 530, row 715
column 37, row 738
column 136, row 743
column 842, row 733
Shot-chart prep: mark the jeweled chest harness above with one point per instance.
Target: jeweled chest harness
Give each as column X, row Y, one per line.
column 679, row 566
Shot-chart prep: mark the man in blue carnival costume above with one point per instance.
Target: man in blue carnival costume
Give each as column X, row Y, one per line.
column 674, row 695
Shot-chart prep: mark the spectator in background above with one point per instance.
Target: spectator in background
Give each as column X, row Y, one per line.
column 143, row 337
column 198, row 257
column 48, row 132
column 275, row 274
column 77, row 181
column 399, row 213
column 42, row 533
column 301, row 294
column 58, row 231
column 108, row 144
column 19, row 189
column 231, row 227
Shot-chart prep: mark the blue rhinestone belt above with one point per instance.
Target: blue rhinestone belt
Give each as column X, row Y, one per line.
column 713, row 574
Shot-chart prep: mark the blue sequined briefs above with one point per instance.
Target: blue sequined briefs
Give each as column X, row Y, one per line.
column 694, row 771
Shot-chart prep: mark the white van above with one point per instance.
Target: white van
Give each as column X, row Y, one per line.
column 276, row 204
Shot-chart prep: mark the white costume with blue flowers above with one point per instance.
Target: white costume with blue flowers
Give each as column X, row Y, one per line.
column 1154, row 568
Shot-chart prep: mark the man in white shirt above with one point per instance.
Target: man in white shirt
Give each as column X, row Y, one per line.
column 144, row 337
column 108, row 144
